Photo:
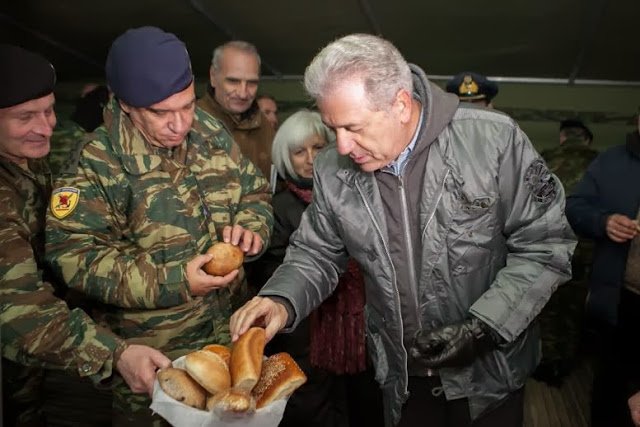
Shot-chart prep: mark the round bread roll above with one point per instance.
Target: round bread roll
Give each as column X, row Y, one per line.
column 180, row 386
column 246, row 359
column 280, row 377
column 209, row 370
column 223, row 351
column 232, row 400
column 226, row 258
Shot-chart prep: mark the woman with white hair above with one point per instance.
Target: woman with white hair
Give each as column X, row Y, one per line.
column 330, row 344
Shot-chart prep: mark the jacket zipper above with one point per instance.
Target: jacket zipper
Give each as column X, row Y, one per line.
column 396, row 300
column 413, row 283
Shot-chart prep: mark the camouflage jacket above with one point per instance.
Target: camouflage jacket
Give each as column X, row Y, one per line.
column 131, row 216
column 569, row 161
column 66, row 135
column 37, row 328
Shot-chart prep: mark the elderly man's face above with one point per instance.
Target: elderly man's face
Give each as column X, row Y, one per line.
column 270, row 110
column 167, row 123
column 236, row 82
column 25, row 129
column 373, row 139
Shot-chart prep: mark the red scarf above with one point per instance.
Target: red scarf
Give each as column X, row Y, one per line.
column 338, row 342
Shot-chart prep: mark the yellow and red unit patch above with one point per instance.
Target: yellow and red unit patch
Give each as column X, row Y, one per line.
column 63, row 201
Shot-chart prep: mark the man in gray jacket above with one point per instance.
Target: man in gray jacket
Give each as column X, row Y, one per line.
column 458, row 227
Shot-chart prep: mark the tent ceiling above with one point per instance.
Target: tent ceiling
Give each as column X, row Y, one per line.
column 549, row 39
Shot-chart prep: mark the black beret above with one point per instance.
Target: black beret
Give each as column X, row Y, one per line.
column 147, row 65
column 566, row 124
column 24, row 76
column 470, row 86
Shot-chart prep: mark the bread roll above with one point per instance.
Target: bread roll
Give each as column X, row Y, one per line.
column 231, row 400
column 209, row 370
column 280, row 377
column 223, row 351
column 180, row 386
column 246, row 359
column 226, row 258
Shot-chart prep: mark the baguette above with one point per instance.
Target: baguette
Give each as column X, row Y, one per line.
column 180, row 386
column 246, row 359
column 209, row 370
column 280, row 377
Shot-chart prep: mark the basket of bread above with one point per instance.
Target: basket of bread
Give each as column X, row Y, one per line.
column 220, row 386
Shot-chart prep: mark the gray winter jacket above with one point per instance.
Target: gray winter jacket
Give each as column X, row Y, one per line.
column 494, row 240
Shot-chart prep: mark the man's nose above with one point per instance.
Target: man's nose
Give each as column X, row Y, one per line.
column 45, row 125
column 343, row 142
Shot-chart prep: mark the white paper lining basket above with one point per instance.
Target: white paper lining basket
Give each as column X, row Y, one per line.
column 181, row 415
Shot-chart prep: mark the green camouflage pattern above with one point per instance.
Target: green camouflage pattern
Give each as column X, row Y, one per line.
column 66, row 135
column 561, row 319
column 38, row 330
column 143, row 213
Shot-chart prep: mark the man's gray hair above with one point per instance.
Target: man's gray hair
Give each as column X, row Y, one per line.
column 298, row 127
column 374, row 60
column 236, row 44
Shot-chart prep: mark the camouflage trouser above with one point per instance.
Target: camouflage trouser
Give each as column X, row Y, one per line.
column 131, row 409
column 22, row 395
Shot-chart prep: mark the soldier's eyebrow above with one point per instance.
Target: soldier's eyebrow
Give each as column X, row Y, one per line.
column 161, row 110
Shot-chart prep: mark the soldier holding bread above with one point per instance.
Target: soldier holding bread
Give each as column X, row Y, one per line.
column 141, row 201
column 37, row 328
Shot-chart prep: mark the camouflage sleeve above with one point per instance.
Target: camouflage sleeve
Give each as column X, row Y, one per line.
column 254, row 211
column 90, row 249
column 38, row 329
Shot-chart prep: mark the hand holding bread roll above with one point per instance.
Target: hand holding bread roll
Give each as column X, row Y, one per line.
column 226, row 258
column 180, row 386
column 280, row 377
column 246, row 359
column 209, row 370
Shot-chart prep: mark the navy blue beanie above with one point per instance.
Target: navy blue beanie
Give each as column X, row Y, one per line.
column 146, row 65
column 24, row 76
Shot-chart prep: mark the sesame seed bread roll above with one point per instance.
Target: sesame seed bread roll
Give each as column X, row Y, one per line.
column 281, row 376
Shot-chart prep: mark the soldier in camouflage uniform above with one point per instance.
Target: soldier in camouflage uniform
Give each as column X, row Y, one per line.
column 561, row 319
column 149, row 193
column 37, row 328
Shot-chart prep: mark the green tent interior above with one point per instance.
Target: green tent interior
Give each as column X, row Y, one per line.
column 553, row 59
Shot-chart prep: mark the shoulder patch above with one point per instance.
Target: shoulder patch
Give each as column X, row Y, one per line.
column 63, row 201
column 540, row 182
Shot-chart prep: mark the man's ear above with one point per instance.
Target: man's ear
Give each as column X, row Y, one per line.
column 404, row 104
column 126, row 108
column 212, row 76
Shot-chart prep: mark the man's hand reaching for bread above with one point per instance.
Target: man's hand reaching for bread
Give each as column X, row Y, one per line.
column 138, row 364
column 259, row 311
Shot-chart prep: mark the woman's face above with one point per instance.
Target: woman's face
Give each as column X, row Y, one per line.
column 302, row 157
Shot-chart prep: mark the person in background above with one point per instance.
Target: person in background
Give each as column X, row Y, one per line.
column 234, row 76
column 456, row 224
column 473, row 88
column 605, row 207
column 38, row 329
column 329, row 345
column 143, row 199
column 86, row 116
column 269, row 108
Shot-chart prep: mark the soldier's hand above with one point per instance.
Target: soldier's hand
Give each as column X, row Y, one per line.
column 250, row 242
column 259, row 311
column 634, row 408
column 138, row 365
column 620, row 228
column 201, row 283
